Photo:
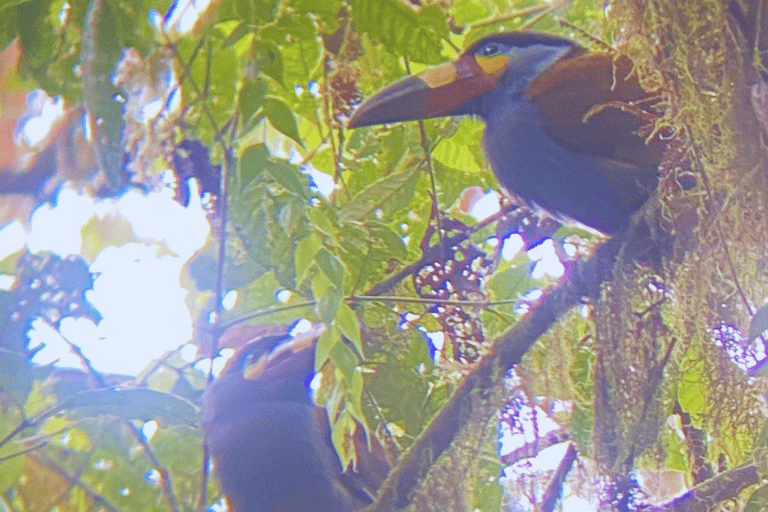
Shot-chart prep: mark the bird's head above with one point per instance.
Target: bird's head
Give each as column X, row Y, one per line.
column 269, row 368
column 512, row 60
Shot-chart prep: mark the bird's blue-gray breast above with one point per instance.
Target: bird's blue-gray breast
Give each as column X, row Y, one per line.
column 539, row 170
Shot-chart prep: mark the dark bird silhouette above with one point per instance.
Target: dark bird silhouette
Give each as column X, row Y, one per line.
column 272, row 445
column 562, row 123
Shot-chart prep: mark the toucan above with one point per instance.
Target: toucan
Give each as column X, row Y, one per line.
column 271, row 444
column 565, row 128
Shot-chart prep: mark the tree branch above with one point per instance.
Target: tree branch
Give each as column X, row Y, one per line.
column 584, row 279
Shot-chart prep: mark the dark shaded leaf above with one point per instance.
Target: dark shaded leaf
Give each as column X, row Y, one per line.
column 759, row 322
column 101, row 47
column 134, row 404
column 15, row 376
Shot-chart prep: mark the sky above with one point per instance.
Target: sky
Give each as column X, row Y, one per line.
column 137, row 326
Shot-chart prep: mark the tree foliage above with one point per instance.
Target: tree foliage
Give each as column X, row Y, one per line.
column 648, row 373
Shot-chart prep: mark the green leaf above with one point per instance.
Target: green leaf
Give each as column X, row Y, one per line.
column 392, row 241
column 322, row 222
column 469, row 11
column 325, row 344
column 328, row 304
column 134, row 404
column 268, row 59
column 349, row 325
column 304, row 257
column 252, row 164
column 417, row 35
column 388, row 194
column 291, row 214
column 324, row 6
column 692, row 393
column 757, row 500
column 302, row 61
column 10, row 471
column 288, row 176
column 281, row 117
column 332, row 267
column 345, row 360
column 252, row 96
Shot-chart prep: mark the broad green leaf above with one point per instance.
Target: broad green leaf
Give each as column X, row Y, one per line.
column 757, row 500
column 392, row 241
column 328, row 304
column 332, row 267
column 252, row 164
column 692, row 393
column 291, row 214
column 325, row 344
column 288, row 176
column 100, row 50
column 469, row 11
column 349, row 325
column 388, row 194
column 341, row 430
column 326, row 6
column 489, row 492
column 345, row 360
column 252, row 96
column 101, row 232
column 302, row 62
column 306, row 250
column 417, row 35
column 281, row 117
column 10, row 471
column 268, row 60
column 322, row 222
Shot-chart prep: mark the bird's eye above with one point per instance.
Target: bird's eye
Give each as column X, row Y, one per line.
column 489, row 49
column 253, row 357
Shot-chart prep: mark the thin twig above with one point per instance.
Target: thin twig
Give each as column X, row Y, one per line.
column 420, row 300
column 433, row 253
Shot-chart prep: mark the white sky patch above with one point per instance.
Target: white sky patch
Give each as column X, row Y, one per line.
column 512, row 246
column 486, row 206
column 56, row 348
column 12, row 239
column 230, row 300
column 143, row 307
column 7, row 282
column 547, row 261
column 158, row 217
column 44, row 112
column 58, row 228
column 324, row 182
